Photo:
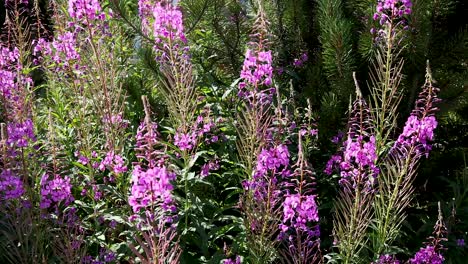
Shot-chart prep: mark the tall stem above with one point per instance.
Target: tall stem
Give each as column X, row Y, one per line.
column 385, row 223
column 388, row 63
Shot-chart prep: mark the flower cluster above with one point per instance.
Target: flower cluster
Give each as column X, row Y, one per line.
column 11, row 186
column 299, row 62
column 357, row 164
column 82, row 158
column 151, row 182
column 113, row 162
column 210, row 166
column 185, row 141
column 7, row 75
column 427, row 255
column 20, row 134
column 145, row 10
column 14, row 94
column 390, row 13
column 298, row 212
column 14, row 85
column 115, row 121
column 7, row 56
column 55, row 191
column 392, row 9
column 333, row 162
column 105, row 256
column 85, row 10
column 387, row 259
column 418, row 133
column 271, row 163
column 203, row 126
column 165, row 23
column 257, row 71
column 358, row 156
column 231, row 261
column 63, row 52
column 337, row 138
column 419, row 128
column 151, row 187
column 146, row 134
column 97, row 192
column 299, row 227
column 461, row 242
column 272, row 159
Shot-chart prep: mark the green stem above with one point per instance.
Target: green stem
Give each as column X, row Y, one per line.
column 388, row 63
column 350, row 245
column 186, row 188
column 383, row 236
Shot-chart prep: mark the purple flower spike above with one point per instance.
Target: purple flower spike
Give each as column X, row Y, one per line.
column 151, row 186
column 387, row 259
column 298, row 212
column 427, row 255
column 230, row 261
column 165, row 23
column 257, row 71
column 20, row 134
column 392, row 9
column 55, row 191
column 85, row 10
column 11, row 186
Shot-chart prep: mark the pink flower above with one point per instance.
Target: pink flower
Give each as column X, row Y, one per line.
column 427, row 255
column 151, row 186
column 114, row 162
column 11, row 186
column 257, row 71
column 85, row 10
column 54, row 191
column 185, row 141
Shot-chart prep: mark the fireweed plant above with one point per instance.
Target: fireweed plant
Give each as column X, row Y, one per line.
column 71, row 59
column 83, row 179
column 263, row 163
column 151, row 197
column 185, row 162
column 19, row 168
column 358, row 174
column 382, row 171
column 280, row 208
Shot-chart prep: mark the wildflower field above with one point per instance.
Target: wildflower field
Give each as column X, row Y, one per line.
column 234, row 131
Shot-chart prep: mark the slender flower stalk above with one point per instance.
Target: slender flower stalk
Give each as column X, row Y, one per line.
column 432, row 253
column 385, row 92
column 151, row 179
column 255, row 93
column 73, row 60
column 357, row 166
column 395, row 185
column 265, row 160
column 162, row 22
column 299, row 229
column 19, row 135
column 262, row 202
column 19, row 167
column 151, row 197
